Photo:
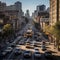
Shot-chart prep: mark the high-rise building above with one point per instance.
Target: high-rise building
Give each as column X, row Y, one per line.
column 54, row 11
column 18, row 5
column 41, row 8
column 27, row 14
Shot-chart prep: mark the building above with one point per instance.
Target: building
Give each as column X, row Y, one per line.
column 44, row 19
column 41, row 8
column 2, row 6
column 14, row 12
column 27, row 14
column 54, row 15
column 54, row 11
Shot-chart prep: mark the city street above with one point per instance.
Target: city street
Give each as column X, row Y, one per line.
column 30, row 30
column 20, row 39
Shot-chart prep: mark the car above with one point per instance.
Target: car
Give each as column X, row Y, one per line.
column 36, row 49
column 4, row 53
column 43, row 47
column 1, row 55
column 37, row 54
column 27, row 54
column 28, row 42
column 21, row 43
column 35, row 45
column 31, row 46
column 35, row 36
column 17, row 51
column 9, row 49
column 27, row 45
column 39, row 34
column 18, row 45
column 48, row 54
column 13, row 45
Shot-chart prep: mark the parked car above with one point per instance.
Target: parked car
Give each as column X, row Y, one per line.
column 27, row 54
column 37, row 54
column 48, row 54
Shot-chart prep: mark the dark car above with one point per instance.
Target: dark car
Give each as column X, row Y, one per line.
column 1, row 55
column 43, row 47
column 17, row 51
column 13, row 45
column 27, row 54
column 48, row 54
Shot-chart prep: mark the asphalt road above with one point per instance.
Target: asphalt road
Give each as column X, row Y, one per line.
column 12, row 56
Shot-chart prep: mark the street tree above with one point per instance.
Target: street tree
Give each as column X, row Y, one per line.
column 57, row 33
column 8, row 30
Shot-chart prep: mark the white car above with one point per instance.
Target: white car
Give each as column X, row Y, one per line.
column 17, row 45
column 9, row 49
column 4, row 53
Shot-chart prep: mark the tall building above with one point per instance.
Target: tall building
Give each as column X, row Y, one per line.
column 54, row 11
column 2, row 6
column 41, row 8
column 27, row 14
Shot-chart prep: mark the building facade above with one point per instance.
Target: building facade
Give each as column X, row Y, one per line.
column 54, row 11
column 14, row 12
column 27, row 14
column 2, row 6
column 41, row 8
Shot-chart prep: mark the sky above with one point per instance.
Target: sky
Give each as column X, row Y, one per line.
column 28, row 4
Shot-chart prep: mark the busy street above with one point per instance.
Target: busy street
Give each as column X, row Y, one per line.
column 29, row 29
